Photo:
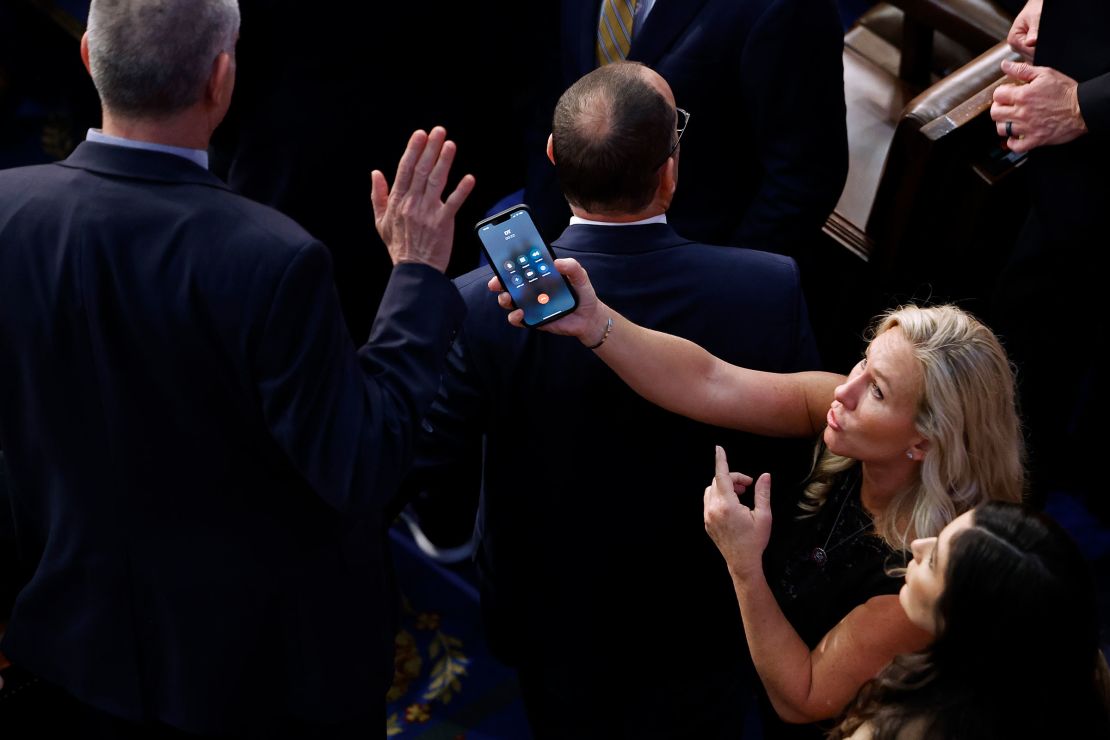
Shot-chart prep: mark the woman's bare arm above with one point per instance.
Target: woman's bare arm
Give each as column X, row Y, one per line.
column 803, row 685
column 682, row 377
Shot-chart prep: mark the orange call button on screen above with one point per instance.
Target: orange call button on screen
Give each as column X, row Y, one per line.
column 543, row 298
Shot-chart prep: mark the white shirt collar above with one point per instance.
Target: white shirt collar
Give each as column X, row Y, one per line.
column 577, row 221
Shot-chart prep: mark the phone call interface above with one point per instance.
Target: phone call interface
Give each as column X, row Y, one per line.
column 525, row 267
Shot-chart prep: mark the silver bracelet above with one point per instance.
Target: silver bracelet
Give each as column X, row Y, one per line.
column 608, row 328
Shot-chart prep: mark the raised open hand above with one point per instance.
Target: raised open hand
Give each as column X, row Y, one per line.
column 416, row 225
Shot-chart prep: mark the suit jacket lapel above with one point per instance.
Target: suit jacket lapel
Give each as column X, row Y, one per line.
column 668, row 20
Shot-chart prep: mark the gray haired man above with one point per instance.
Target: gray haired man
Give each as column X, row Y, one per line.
column 200, row 460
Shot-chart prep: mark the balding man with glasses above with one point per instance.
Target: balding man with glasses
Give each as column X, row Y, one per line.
column 598, row 581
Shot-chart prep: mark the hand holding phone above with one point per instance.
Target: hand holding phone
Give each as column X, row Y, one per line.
column 525, row 266
column 589, row 323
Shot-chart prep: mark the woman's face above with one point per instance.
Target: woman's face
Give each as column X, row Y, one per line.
column 872, row 415
column 925, row 574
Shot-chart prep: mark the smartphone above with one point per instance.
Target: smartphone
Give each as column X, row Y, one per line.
column 526, row 266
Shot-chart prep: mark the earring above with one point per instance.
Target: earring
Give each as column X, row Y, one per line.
column 909, row 454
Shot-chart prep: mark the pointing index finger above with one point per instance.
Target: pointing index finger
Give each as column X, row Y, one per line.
column 724, row 480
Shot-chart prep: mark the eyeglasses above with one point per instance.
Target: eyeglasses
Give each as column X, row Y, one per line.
column 682, row 119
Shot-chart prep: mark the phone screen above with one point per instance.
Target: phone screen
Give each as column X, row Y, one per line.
column 526, row 266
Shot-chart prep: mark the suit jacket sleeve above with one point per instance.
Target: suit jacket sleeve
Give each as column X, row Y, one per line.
column 347, row 421
column 792, row 82
column 1094, row 103
column 449, row 446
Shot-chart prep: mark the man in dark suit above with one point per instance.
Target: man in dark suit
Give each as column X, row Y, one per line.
column 199, row 457
column 1057, row 108
column 598, row 581
column 768, row 155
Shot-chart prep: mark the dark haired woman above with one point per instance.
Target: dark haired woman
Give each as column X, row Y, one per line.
column 1011, row 602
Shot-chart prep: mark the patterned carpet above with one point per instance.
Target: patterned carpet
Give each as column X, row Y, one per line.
column 446, row 683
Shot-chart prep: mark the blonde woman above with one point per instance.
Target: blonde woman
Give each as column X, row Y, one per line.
column 922, row 429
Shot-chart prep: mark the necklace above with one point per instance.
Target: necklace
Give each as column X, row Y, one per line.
column 820, row 555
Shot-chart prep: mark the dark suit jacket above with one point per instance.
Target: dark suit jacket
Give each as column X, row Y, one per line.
column 199, row 457
column 595, row 563
column 1070, row 184
column 1052, row 278
column 765, row 156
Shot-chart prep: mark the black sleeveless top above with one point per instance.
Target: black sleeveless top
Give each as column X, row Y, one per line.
column 814, row 590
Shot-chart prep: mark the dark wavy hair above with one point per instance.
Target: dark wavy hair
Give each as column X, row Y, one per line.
column 1017, row 646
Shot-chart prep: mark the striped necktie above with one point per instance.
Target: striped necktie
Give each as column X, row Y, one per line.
column 614, row 30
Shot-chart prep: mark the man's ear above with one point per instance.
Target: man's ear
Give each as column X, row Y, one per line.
column 668, row 182
column 85, row 52
column 551, row 147
column 670, row 174
column 222, row 80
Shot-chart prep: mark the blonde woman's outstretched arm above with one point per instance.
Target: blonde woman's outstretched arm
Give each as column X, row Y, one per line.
column 682, row 377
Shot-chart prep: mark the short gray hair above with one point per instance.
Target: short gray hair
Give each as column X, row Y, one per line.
column 152, row 58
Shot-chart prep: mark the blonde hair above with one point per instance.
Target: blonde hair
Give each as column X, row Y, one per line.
column 966, row 412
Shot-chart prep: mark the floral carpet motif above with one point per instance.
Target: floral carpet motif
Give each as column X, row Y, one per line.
column 433, row 689
column 445, row 682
